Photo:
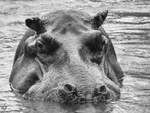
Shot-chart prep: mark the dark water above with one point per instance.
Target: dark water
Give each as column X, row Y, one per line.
column 128, row 25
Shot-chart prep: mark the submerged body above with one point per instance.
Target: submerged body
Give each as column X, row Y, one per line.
column 67, row 57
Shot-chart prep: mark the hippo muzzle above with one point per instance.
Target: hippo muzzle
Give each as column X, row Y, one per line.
column 66, row 60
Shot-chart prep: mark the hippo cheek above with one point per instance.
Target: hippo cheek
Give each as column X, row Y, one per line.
column 26, row 73
column 27, row 82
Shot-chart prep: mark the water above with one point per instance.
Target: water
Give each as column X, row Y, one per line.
column 128, row 25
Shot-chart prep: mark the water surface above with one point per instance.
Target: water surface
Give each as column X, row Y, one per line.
column 128, row 25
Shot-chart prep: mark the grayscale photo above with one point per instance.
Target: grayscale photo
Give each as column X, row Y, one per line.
column 74, row 56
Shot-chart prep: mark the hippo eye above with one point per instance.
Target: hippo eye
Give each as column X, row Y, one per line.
column 95, row 45
column 97, row 60
column 47, row 45
column 39, row 45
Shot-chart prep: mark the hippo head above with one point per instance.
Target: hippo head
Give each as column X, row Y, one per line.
column 66, row 59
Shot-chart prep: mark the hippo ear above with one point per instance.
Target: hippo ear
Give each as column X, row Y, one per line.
column 98, row 20
column 35, row 24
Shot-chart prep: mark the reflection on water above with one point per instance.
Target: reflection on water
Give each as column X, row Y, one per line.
column 128, row 25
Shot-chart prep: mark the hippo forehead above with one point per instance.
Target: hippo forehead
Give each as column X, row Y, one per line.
column 63, row 21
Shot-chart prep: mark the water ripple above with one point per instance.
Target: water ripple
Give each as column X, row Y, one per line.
column 128, row 25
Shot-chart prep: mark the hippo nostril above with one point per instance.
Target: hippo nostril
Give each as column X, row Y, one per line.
column 100, row 90
column 103, row 89
column 68, row 93
column 68, row 87
column 101, row 94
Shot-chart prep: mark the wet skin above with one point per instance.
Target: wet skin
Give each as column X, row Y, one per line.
column 66, row 57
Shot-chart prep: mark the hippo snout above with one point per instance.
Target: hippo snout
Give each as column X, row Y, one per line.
column 70, row 94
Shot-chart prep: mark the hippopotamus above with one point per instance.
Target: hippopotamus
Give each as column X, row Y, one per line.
column 66, row 56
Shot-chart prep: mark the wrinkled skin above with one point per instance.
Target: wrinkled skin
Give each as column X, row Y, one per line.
column 66, row 57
